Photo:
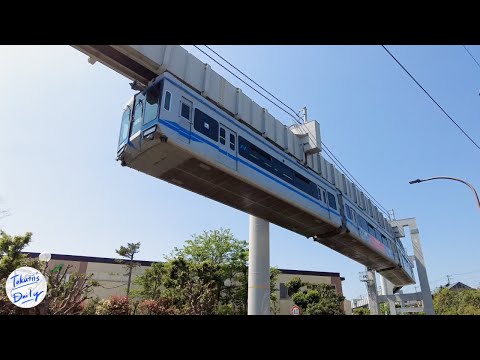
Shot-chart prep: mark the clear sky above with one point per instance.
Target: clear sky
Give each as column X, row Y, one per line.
column 60, row 123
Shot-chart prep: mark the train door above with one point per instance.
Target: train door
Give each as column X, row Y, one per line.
column 228, row 147
column 185, row 119
column 322, row 196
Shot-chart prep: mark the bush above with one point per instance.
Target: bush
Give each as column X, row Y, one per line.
column 156, row 307
column 115, row 305
column 88, row 307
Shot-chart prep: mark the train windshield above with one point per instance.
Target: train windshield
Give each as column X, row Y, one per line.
column 125, row 126
column 146, row 107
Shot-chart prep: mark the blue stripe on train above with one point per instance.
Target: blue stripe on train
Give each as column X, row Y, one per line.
column 197, row 138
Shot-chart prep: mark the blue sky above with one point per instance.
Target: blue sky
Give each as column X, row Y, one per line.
column 60, row 123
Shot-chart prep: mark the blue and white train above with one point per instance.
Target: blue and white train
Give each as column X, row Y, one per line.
column 171, row 132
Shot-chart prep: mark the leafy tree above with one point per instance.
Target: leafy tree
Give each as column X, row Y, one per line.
column 150, row 282
column 294, row 285
column 220, row 247
column 192, row 287
column 315, row 299
column 209, row 274
column 361, row 311
column 129, row 253
column 460, row 302
column 384, row 309
column 11, row 253
column 274, row 304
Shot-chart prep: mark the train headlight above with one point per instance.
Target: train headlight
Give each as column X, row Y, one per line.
column 150, row 132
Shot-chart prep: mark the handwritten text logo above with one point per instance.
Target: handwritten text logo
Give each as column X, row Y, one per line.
column 26, row 287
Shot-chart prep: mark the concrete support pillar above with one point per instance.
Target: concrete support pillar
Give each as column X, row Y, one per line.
column 422, row 272
column 259, row 267
column 420, row 264
column 372, row 292
column 387, row 289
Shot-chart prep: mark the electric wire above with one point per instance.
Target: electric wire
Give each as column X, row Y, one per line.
column 251, row 87
column 298, row 121
column 473, row 57
column 249, row 78
column 329, row 153
column 431, row 98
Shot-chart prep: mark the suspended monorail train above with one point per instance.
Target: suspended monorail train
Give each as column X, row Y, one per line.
column 174, row 133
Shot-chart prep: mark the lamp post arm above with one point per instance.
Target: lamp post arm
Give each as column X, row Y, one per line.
column 455, row 179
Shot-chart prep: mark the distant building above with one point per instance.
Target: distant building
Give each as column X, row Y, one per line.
column 113, row 277
column 459, row 286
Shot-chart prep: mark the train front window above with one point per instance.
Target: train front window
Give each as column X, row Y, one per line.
column 124, row 126
column 138, row 113
column 151, row 103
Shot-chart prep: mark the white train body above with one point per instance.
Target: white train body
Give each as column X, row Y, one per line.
column 175, row 133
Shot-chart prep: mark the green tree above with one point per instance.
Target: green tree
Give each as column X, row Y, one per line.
column 208, row 274
column 192, row 287
column 384, row 309
column 315, row 299
column 220, row 248
column 274, row 301
column 129, row 253
column 460, row 302
column 361, row 311
column 11, row 253
column 150, row 282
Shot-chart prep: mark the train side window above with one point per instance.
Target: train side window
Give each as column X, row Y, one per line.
column 222, row 136
column 385, row 241
column 232, row 142
column 205, row 124
column 287, row 174
column 332, row 201
column 185, row 111
column 168, row 99
column 243, row 146
column 321, row 194
column 348, row 211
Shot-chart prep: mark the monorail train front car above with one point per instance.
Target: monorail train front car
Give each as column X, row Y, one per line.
column 171, row 132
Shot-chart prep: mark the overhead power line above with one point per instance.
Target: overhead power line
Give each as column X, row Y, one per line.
column 473, row 57
column 291, row 112
column 431, row 98
column 250, row 86
column 249, row 78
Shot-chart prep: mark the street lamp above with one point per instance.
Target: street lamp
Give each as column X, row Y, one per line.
column 448, row 178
